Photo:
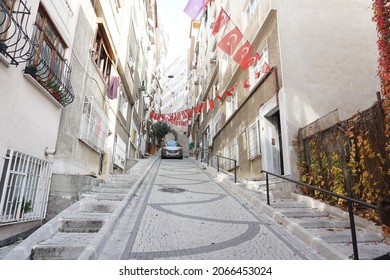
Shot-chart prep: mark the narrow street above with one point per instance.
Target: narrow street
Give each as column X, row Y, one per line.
column 180, row 213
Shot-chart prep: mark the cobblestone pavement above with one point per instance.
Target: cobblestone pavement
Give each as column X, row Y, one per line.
column 183, row 214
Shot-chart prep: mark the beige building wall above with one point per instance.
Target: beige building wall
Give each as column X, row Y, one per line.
column 329, row 61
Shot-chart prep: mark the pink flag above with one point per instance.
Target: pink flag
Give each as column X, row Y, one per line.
column 203, row 106
column 211, row 104
column 250, row 61
column 265, row 68
column 230, row 41
column 243, row 53
column 245, row 83
column 219, row 97
column 194, row 8
column 222, row 19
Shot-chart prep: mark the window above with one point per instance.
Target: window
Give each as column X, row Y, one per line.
column 215, row 125
column 251, row 6
column 231, row 152
column 119, row 152
column 51, row 47
column 253, row 136
column 256, row 67
column 94, row 125
column 231, row 105
column 130, row 61
column 101, row 54
column 4, row 19
column 224, row 63
column 123, row 103
column 48, row 65
column 116, row 4
column 24, row 185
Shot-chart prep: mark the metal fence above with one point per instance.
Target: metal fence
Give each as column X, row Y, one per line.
column 24, row 188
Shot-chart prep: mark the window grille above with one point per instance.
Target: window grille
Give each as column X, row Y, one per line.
column 253, row 140
column 119, row 152
column 123, row 103
column 231, row 105
column 94, row 125
column 230, row 151
column 215, row 125
column 24, row 187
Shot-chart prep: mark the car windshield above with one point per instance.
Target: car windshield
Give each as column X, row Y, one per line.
column 172, row 144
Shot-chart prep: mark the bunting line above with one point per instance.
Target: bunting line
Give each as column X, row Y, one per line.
column 181, row 118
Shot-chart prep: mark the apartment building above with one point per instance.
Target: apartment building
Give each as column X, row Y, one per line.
column 75, row 78
column 312, row 59
column 36, row 86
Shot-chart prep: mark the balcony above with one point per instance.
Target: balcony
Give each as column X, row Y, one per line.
column 15, row 45
column 55, row 81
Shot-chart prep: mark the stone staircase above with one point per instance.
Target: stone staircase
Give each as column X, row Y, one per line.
column 324, row 227
column 82, row 229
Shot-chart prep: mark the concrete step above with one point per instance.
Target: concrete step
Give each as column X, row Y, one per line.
column 98, row 206
column 345, row 236
column 123, row 185
column 83, row 222
column 317, row 223
column 109, row 196
column 302, row 213
column 290, row 204
column 61, row 246
column 366, row 251
column 105, row 189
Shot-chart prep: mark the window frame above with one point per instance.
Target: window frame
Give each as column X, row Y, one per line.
column 7, row 20
column 256, row 67
column 231, row 151
column 47, row 36
column 231, row 105
column 253, row 139
column 101, row 55
column 123, row 103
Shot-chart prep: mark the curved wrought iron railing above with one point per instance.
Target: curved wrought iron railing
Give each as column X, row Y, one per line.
column 15, row 44
column 350, row 201
column 56, row 83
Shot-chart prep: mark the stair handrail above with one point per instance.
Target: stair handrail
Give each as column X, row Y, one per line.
column 204, row 151
column 350, row 202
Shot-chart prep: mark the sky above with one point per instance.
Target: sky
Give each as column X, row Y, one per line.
column 177, row 25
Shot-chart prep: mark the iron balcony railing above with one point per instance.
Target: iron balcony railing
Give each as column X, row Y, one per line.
column 350, row 201
column 15, row 45
column 53, row 76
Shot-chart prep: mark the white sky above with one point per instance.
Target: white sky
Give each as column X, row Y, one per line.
column 177, row 25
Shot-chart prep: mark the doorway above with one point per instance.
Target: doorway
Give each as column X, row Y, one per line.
column 271, row 137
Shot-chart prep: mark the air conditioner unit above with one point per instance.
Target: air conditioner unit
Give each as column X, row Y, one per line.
column 142, row 86
column 196, row 81
column 213, row 57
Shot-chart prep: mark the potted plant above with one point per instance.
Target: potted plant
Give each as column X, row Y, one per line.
column 3, row 46
column 26, row 207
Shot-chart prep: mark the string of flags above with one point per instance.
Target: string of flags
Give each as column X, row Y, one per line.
column 180, row 118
